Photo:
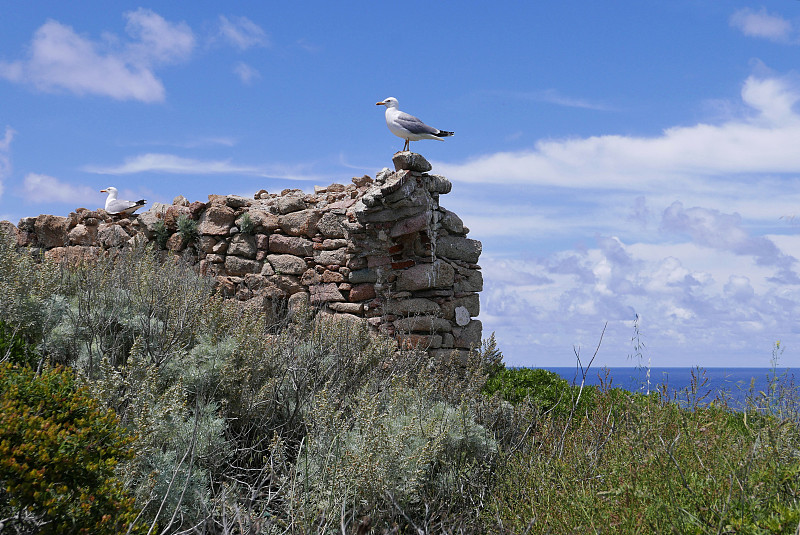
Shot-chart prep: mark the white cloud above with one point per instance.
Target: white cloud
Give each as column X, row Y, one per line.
column 159, row 41
column 191, row 142
column 762, row 24
column 198, row 142
column 717, row 230
column 493, row 221
column 762, row 142
column 61, row 59
column 169, row 163
column 39, row 189
column 716, row 296
column 554, row 97
column 712, row 228
column 550, row 96
column 739, row 288
column 172, row 164
column 5, row 156
column 699, row 307
column 245, row 72
column 774, row 98
column 242, row 32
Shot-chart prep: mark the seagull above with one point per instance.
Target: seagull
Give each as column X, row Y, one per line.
column 407, row 126
column 117, row 206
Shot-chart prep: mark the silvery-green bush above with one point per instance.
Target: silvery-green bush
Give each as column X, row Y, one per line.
column 25, row 288
column 244, row 425
column 105, row 305
column 387, row 449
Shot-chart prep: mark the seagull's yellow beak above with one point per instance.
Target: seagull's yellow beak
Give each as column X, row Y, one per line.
column 103, row 191
column 380, row 103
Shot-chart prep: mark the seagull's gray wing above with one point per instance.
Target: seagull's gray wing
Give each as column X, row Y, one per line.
column 124, row 207
column 118, row 205
column 414, row 125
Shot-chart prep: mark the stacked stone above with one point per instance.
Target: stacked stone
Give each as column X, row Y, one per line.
column 82, row 234
column 293, row 248
column 382, row 250
column 416, row 258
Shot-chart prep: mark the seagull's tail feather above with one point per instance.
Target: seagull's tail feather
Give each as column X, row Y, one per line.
column 132, row 209
column 442, row 133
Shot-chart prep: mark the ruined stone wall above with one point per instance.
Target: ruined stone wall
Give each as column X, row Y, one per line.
column 381, row 249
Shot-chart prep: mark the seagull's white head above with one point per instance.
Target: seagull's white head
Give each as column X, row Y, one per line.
column 390, row 102
column 111, row 190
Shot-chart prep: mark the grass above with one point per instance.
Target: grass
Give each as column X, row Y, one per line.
column 648, row 464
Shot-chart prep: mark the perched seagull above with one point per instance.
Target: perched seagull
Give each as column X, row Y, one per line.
column 117, row 206
column 407, row 126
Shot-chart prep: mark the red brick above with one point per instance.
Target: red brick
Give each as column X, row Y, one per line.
column 403, row 264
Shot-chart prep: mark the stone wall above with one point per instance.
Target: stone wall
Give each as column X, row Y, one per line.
column 381, row 249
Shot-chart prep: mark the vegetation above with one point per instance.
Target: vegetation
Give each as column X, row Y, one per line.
column 59, row 448
column 546, row 389
column 246, row 224
column 639, row 464
column 187, row 228
column 193, row 414
column 162, row 233
column 14, row 348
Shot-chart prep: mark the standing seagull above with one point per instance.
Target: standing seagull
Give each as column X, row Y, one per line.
column 117, row 206
column 407, row 126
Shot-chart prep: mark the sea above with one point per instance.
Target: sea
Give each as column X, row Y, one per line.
column 737, row 385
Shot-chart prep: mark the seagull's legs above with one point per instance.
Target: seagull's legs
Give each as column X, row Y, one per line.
column 407, row 145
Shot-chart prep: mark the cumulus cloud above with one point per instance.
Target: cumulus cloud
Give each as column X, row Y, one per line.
column 158, row 41
column 60, row 59
column 711, row 228
column 739, row 288
column 710, row 291
column 762, row 141
column 242, row 32
column 714, row 229
column 38, row 189
column 697, row 308
column 762, row 24
column 774, row 99
column 640, row 212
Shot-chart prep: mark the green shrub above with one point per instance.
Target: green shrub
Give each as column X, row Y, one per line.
column 246, row 224
column 545, row 389
column 491, row 356
column 26, row 287
column 162, row 233
column 14, row 348
column 107, row 305
column 391, row 449
column 187, row 228
column 58, row 452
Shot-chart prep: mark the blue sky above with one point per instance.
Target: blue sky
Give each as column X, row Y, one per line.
column 615, row 158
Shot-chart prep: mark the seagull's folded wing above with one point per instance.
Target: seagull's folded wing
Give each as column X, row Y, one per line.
column 414, row 125
column 117, row 206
